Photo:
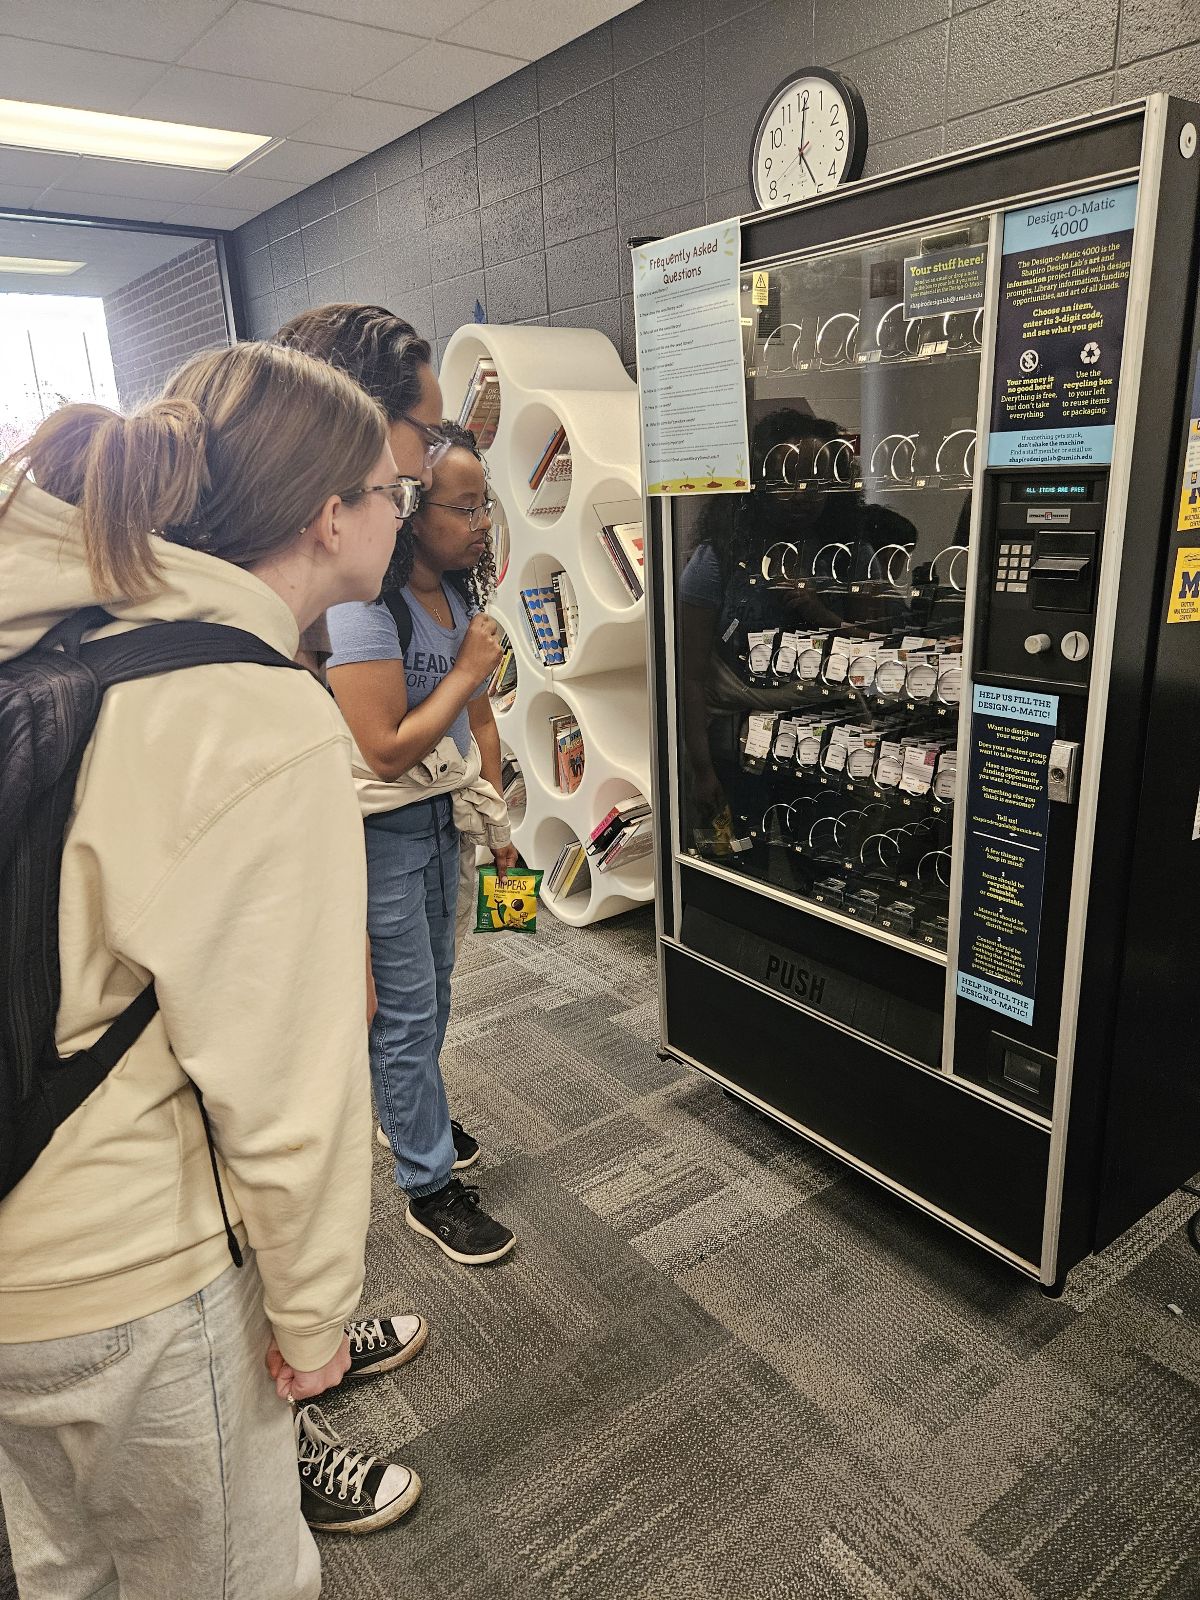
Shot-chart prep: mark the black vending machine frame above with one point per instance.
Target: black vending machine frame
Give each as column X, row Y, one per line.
column 743, row 968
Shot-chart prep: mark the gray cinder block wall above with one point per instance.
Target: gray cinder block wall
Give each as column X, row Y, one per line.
column 522, row 199
column 161, row 318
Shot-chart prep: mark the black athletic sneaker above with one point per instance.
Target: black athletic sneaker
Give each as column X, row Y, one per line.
column 453, row 1220
column 466, row 1151
column 343, row 1490
column 386, row 1342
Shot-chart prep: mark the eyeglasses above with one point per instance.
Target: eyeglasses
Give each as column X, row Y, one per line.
column 404, row 493
column 436, row 443
column 474, row 514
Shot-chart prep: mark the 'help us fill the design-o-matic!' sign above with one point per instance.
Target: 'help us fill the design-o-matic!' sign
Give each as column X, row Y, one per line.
column 1060, row 329
column 689, row 344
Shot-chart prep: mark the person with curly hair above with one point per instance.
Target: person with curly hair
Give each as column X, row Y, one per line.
column 410, row 673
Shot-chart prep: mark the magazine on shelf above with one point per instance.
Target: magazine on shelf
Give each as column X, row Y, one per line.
column 502, row 687
column 512, row 781
column 567, row 752
column 553, row 487
column 624, row 544
column 480, row 410
column 541, row 612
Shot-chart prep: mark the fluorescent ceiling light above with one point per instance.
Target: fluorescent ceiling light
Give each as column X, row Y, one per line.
column 99, row 133
column 31, row 264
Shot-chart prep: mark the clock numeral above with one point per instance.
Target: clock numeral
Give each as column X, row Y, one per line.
column 768, row 164
column 776, row 138
column 803, row 98
column 833, row 169
column 839, row 142
column 774, row 190
column 785, row 111
column 834, row 113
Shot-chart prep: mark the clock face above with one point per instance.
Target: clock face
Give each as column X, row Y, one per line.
column 811, row 137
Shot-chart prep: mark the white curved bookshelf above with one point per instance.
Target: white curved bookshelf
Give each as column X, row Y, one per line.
column 570, row 378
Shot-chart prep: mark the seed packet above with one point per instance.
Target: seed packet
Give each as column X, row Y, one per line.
column 509, row 902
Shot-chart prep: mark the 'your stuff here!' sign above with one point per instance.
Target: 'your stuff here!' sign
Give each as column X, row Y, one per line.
column 689, row 346
column 1060, row 329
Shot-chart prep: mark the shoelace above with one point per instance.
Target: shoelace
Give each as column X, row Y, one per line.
column 332, row 1465
column 462, row 1194
column 366, row 1335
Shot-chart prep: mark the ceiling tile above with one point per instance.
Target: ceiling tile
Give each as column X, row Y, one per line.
column 428, row 17
column 202, row 216
column 145, row 28
column 138, row 181
column 13, row 194
column 35, row 166
column 295, row 161
column 52, row 74
column 358, row 125
column 441, row 76
column 79, row 203
column 215, row 100
column 243, row 192
column 270, row 42
column 532, row 28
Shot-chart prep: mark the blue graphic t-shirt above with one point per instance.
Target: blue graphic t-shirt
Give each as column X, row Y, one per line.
column 366, row 632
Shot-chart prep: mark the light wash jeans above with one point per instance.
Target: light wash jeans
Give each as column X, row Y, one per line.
column 154, row 1461
column 412, row 887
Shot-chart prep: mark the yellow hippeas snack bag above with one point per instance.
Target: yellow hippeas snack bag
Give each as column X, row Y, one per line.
column 507, row 902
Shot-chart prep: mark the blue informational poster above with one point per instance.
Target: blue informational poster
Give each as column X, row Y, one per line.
column 1060, row 330
column 1004, row 859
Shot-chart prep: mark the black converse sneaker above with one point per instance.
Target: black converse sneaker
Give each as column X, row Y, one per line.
column 453, row 1220
column 343, row 1490
column 386, row 1342
column 466, row 1151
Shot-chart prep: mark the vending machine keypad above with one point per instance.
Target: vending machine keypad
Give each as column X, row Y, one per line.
column 1012, row 567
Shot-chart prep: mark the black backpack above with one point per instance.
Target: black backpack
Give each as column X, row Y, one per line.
column 49, row 701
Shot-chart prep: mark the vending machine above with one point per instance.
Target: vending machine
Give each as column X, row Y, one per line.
column 927, row 688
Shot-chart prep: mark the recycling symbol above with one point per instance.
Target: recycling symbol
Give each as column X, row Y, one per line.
column 1090, row 353
column 1030, row 361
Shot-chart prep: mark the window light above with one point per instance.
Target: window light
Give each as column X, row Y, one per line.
column 100, row 133
column 31, row 265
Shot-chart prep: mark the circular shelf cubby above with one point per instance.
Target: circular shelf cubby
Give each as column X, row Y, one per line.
column 534, row 429
column 614, row 503
column 550, row 840
column 543, row 708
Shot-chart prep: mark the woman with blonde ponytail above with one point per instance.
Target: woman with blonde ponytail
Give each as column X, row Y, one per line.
column 214, row 850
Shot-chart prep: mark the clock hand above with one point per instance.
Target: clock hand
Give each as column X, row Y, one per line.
column 799, row 156
column 811, row 173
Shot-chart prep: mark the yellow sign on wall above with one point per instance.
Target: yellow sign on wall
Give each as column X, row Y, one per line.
column 1184, row 602
column 760, row 294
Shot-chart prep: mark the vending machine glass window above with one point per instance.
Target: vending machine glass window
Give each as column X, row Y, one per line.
column 820, row 614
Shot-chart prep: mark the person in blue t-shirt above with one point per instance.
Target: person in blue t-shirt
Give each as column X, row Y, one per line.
column 400, row 705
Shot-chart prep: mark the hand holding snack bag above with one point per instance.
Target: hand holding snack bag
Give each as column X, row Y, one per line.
column 509, row 902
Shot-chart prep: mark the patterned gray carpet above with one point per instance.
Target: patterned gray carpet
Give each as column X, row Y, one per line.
column 721, row 1367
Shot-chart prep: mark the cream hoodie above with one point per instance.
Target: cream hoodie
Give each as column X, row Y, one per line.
column 216, row 846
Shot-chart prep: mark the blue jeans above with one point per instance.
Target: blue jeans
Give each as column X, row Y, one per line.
column 412, row 889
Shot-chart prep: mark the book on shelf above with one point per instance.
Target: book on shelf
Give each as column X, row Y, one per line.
column 554, row 485
column 624, row 815
column 568, row 610
column 557, row 438
column 625, row 546
column 567, row 751
column 502, row 686
column 569, row 874
column 480, row 410
column 542, row 615
column 513, row 782
column 631, row 844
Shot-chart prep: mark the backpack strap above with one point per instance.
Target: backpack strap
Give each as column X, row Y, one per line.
column 396, row 603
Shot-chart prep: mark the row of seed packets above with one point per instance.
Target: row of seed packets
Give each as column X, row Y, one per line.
column 882, row 664
column 835, row 742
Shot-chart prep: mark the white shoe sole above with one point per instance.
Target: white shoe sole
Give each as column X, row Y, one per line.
column 385, row 1516
column 381, row 1138
column 456, row 1255
column 413, row 1348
